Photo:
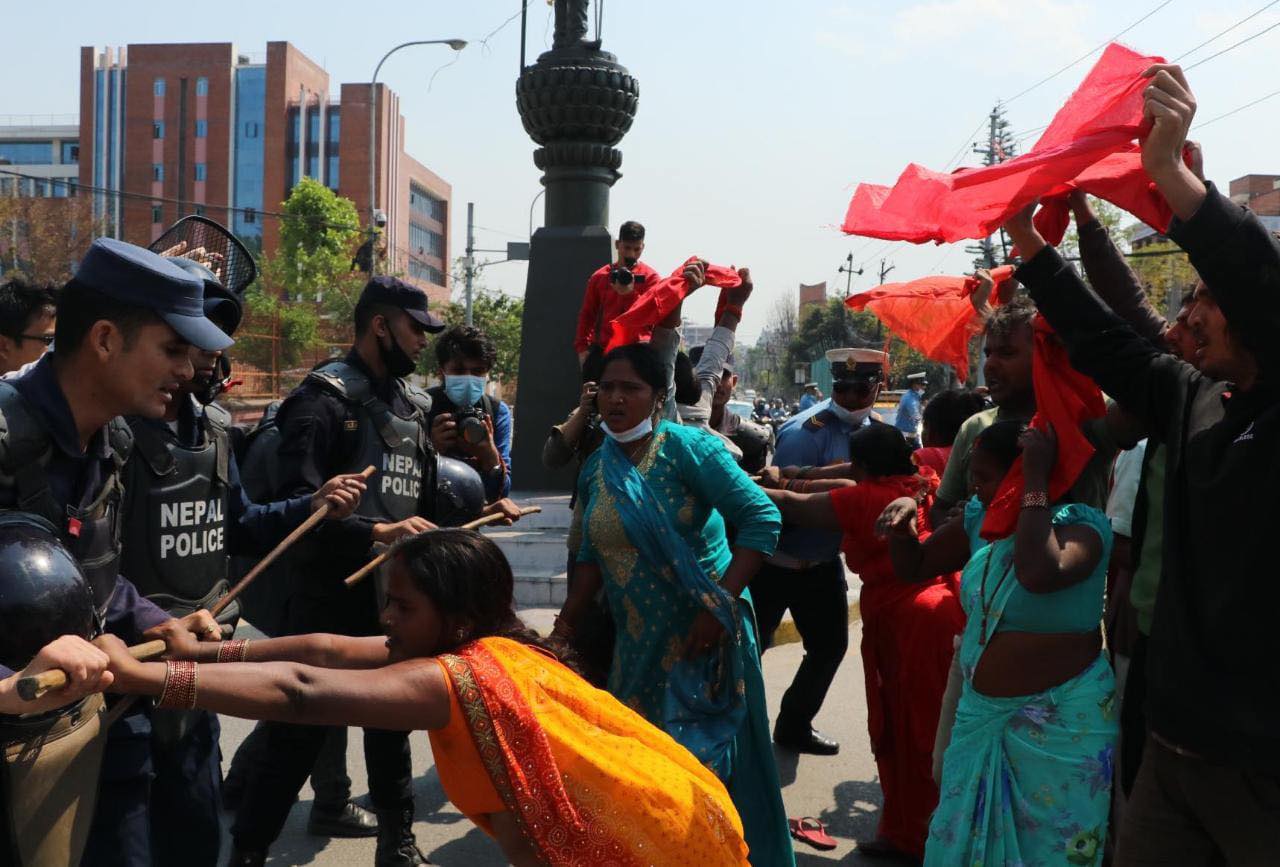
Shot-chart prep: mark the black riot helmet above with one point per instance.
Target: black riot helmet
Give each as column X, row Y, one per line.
column 459, row 493
column 43, row 593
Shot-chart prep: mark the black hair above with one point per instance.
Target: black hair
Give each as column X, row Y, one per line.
column 644, row 359
column 947, row 410
column 468, row 579
column 466, row 341
column 881, row 450
column 593, row 364
column 366, row 310
column 1000, row 441
column 687, row 390
column 631, row 231
column 80, row 306
column 1008, row 318
column 20, row 302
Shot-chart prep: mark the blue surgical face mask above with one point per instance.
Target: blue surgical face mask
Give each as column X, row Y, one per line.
column 464, row 389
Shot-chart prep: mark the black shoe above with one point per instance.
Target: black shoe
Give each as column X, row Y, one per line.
column 397, row 847
column 812, row 742
column 348, row 820
column 245, row 858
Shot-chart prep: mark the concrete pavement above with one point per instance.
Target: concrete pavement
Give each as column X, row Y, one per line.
column 842, row 791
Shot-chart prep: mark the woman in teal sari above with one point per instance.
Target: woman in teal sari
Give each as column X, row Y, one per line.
column 1026, row 777
column 655, row 499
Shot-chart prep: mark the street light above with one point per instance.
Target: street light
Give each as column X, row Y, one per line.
column 456, row 45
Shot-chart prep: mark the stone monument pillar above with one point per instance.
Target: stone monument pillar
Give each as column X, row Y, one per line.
column 576, row 103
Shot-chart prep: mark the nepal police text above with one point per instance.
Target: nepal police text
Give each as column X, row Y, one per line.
column 401, row 475
column 205, row 519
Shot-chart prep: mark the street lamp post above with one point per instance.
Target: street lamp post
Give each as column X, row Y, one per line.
column 456, row 45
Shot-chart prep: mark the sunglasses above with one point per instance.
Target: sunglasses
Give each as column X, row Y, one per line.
column 46, row 339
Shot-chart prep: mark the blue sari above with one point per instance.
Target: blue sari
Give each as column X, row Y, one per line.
column 1026, row 780
column 657, row 533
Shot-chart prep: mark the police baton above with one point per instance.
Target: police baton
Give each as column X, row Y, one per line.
column 32, row 686
column 315, row 518
column 358, row 576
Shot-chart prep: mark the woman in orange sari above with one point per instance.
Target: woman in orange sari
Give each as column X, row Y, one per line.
column 556, row 771
column 908, row 629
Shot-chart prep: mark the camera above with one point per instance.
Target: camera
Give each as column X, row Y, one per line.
column 621, row 275
column 471, row 424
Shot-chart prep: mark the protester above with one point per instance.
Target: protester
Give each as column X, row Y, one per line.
column 465, row 355
column 570, row 777
column 1026, row 778
column 28, row 316
column 1213, row 755
column 812, row 395
column 805, row 573
column 943, row 415
column 655, row 499
column 910, row 413
column 907, row 628
column 611, row 290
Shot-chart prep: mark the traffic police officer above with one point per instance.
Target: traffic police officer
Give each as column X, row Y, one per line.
column 805, row 573
column 127, row 322
column 185, row 512
column 346, row 415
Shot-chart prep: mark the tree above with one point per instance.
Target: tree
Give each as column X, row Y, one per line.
column 44, row 238
column 1108, row 215
column 495, row 313
column 1165, row 273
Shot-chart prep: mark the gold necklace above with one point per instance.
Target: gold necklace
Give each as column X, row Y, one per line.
column 983, row 602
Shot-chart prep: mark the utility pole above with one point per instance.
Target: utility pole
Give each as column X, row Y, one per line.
column 469, row 263
column 999, row 147
column 847, row 269
column 884, row 272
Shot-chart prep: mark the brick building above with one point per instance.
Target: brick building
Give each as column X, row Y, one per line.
column 1258, row 193
column 204, row 129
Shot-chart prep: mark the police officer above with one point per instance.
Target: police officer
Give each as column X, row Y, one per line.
column 911, row 408
column 185, row 512
column 805, row 573
column 348, row 414
column 125, row 329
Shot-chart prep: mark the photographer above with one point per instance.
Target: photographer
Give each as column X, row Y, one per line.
column 466, row 423
column 611, row 290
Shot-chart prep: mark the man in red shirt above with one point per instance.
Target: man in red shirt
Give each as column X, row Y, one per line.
column 607, row 297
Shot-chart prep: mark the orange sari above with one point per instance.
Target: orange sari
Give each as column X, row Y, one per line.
column 591, row 782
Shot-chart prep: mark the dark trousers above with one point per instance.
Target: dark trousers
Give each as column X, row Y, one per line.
column 186, row 794
column 329, row 776
column 818, row 600
column 291, row 750
column 1190, row 811
column 1133, row 717
column 120, row 835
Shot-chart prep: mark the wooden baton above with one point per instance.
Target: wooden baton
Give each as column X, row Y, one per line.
column 357, row 576
column 32, row 686
column 314, row 518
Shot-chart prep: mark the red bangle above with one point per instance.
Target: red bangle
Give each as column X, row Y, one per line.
column 232, row 651
column 179, row 691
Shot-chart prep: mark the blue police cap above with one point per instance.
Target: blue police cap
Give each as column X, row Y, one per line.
column 136, row 276
column 393, row 292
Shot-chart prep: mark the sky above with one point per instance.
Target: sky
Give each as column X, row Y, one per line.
column 756, row 119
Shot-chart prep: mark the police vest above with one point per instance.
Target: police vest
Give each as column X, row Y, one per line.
column 399, row 448
column 177, row 502
column 91, row 533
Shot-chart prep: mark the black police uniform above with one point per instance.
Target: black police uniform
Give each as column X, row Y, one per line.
column 185, row 512
column 341, row 419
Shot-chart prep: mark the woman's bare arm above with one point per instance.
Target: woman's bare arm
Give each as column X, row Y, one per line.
column 807, row 510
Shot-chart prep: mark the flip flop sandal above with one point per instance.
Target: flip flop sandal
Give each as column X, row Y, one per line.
column 809, row 830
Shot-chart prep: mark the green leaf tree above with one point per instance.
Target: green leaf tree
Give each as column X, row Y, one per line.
column 497, row 314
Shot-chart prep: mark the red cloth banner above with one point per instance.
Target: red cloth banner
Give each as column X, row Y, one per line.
column 654, row 306
column 1089, row 144
column 1065, row 398
column 932, row 315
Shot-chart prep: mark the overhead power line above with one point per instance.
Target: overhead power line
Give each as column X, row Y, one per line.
column 1234, row 46
column 1222, row 33
column 1237, row 110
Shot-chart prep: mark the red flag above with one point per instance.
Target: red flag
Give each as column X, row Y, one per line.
column 652, row 307
column 1066, row 399
column 932, row 315
column 1100, row 121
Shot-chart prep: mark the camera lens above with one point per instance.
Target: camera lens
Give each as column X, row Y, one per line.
column 473, row 430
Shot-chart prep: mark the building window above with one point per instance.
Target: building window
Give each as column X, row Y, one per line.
column 334, row 121
column 158, row 87
column 202, row 128
column 157, row 172
column 424, row 242
column 157, row 213
column 424, row 203
column 70, row 152
column 250, row 129
column 157, row 129
column 331, row 175
column 422, row 271
column 202, row 86
column 25, row 153
column 250, row 215
column 202, row 171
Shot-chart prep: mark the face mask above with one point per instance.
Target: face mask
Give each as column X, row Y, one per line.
column 464, row 389
column 630, row 261
column 398, row 362
column 851, row 417
column 629, row 436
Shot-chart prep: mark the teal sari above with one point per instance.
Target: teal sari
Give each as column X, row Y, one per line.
column 1025, row 780
column 657, row 532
